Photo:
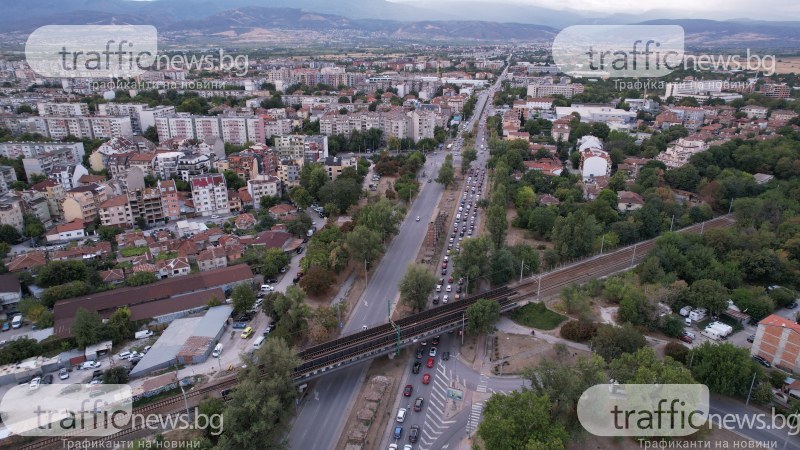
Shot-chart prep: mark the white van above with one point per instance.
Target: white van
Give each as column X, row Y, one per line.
column 401, row 415
column 16, row 322
column 259, row 342
column 217, row 351
column 143, row 334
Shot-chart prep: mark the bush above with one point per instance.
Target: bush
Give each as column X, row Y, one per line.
column 672, row 325
column 676, row 351
column 536, row 315
column 578, row 330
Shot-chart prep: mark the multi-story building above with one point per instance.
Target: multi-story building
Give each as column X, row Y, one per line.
column 7, row 176
column 116, row 212
column 193, row 164
column 421, row 125
column 63, row 109
column 11, row 212
column 244, row 165
column 264, row 186
column 211, row 259
column 568, row 90
column 44, row 163
column 289, row 172
column 774, row 90
column 210, row 194
column 98, row 160
column 67, row 175
column 232, row 129
column 169, row 199
column 146, row 203
column 280, row 127
column 143, row 161
column 678, row 154
column 165, row 164
column 14, row 150
column 53, row 192
column 603, row 114
column 83, row 202
column 334, row 165
column 307, row 148
column 94, row 127
column 778, row 341
column 142, row 116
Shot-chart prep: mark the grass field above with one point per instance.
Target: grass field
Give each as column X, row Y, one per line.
column 536, row 315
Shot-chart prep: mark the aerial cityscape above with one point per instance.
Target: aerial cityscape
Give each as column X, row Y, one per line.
column 404, row 225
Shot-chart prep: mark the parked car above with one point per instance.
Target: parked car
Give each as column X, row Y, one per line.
column 247, row 332
column 445, row 356
column 432, row 351
column 34, row 384
column 398, row 432
column 90, row 365
column 47, row 379
column 419, row 353
column 429, row 363
column 63, row 374
column 762, row 361
column 6, row 326
column 751, row 338
column 685, row 338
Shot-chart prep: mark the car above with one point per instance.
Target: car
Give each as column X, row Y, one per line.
column 418, row 404
column 124, row 355
column 417, row 218
column 435, row 340
column 34, row 384
column 417, row 366
column 751, row 338
column 445, row 299
column 247, row 332
column 147, row 349
column 419, row 353
column 432, row 352
column 426, row 379
column 398, row 432
column 685, row 338
column 133, row 361
column 690, row 334
column 444, row 271
column 445, row 356
column 96, row 381
column 408, row 390
column 413, row 434
column 6, row 326
column 429, row 363
column 450, row 280
column 90, row 365
column 63, row 374
column 762, row 361
column 266, row 288
column 449, row 288
column 435, row 299
column 792, row 305
column 439, row 287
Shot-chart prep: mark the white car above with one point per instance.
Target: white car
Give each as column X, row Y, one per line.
column 124, row 355
column 445, row 299
column 90, row 365
column 63, row 374
column 214, row 216
column 417, row 218
column 449, row 288
column 432, row 352
column 438, row 288
column 35, row 383
column 267, row 288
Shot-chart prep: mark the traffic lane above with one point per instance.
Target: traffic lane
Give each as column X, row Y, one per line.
column 324, row 412
column 724, row 405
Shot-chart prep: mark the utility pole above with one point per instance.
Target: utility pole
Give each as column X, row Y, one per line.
column 671, row 223
column 702, row 225
column 539, row 287
column 185, row 402
column 521, row 267
column 602, row 243
column 389, row 313
column 751, row 389
column 366, row 279
column 633, row 258
column 730, row 207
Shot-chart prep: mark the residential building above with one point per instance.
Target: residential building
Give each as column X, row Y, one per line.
column 67, row 175
column 192, row 164
column 10, row 294
column 755, row 111
column 93, row 127
column 43, row 163
column 142, row 116
column 83, row 202
column 169, row 199
column 143, row 161
column 289, row 173
column 11, row 212
column 282, row 211
column 210, row 194
column 549, row 89
column 67, row 231
column 7, row 177
column 301, row 147
column 265, row 186
column 774, row 90
column 629, row 201
column 592, row 113
column 165, row 164
column 146, row 204
column 16, row 149
column 244, row 165
column 116, row 212
column 778, row 341
column 212, row 258
column 63, row 109
column 678, row 154
column 54, row 193
column 334, row 165
column 175, row 267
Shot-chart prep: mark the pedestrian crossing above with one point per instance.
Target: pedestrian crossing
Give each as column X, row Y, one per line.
column 434, row 424
column 474, row 417
column 482, row 384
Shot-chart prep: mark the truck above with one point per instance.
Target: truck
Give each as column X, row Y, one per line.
column 143, row 334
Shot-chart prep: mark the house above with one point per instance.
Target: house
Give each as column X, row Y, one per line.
column 778, row 341
column 67, row 231
column 27, row 261
column 113, row 276
column 273, row 239
column 629, row 201
column 548, row 166
column 245, row 221
column 175, row 267
column 10, row 294
column 548, row 200
column 116, row 211
column 212, row 258
column 282, row 211
column 84, row 252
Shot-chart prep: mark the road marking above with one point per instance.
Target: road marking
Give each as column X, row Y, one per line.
column 474, row 417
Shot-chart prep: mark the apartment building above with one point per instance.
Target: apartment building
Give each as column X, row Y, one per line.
column 678, row 154
column 279, row 127
column 568, row 90
column 169, row 199
column 592, row 113
column 7, row 176
column 67, row 175
column 116, row 212
column 289, row 172
column 45, row 163
column 192, row 164
column 53, row 192
column 264, row 186
column 94, row 127
column 774, row 90
column 83, row 202
column 244, row 165
column 142, row 116
column 146, row 203
column 334, row 165
column 11, row 212
column 301, row 147
column 17, row 149
column 778, row 341
column 231, row 129
column 209, row 194
column 62, row 109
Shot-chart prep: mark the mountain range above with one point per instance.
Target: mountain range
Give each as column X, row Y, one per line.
column 236, row 21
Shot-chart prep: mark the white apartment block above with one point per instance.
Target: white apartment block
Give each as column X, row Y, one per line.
column 603, row 114
column 279, row 127
column 142, row 116
column 678, row 154
column 301, row 147
column 210, row 194
column 14, row 150
column 62, row 109
column 264, row 186
column 96, row 127
column 232, row 129
column 568, row 90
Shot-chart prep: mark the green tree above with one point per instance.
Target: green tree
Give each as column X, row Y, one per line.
column 260, row 411
column 644, row 367
column 364, row 244
column 611, row 341
column 564, row 384
column 467, row 156
column 273, row 261
column 382, row 216
column 496, row 224
column 574, row 235
column 521, row 419
column 482, row 315
column 317, row 280
column 119, row 325
column 33, row 227
column 473, row 260
column 87, row 327
column 312, row 178
column 416, row 286
column 56, row 273
column 575, row 301
column 115, row 375
column 141, row 279
column 243, row 298
column 151, row 134
column 709, row 294
column 9, row 234
column 301, row 197
column 342, row 193
column 525, row 198
column 724, row 368
column 446, row 172
column 211, row 407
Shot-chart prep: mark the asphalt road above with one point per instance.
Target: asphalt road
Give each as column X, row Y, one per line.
column 323, row 414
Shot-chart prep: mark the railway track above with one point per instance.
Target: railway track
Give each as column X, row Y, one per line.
column 375, row 340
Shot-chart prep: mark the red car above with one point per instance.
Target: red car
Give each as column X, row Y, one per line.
column 407, row 391
column 429, row 364
column 426, row 378
column 687, row 339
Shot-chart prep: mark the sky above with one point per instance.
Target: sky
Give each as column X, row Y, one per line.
column 711, row 9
